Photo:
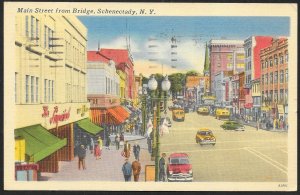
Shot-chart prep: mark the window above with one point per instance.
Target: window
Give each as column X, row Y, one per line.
column 281, row 59
column 49, row 83
column 37, row 31
column 281, row 95
column 45, row 90
column 262, row 64
column 31, row 28
column 49, row 38
column 249, row 66
column 275, row 95
column 262, row 79
column 266, row 64
column 27, row 89
column 52, row 98
column 271, row 63
column 249, row 52
column 281, row 76
column 271, row 77
column 16, row 80
column 26, row 26
column 286, row 57
column 271, row 95
column 275, row 60
column 276, row 77
column 266, row 78
column 37, row 89
column 229, row 66
column 45, row 37
column 32, row 89
column 286, row 75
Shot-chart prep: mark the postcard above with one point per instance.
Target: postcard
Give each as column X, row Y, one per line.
column 150, row 96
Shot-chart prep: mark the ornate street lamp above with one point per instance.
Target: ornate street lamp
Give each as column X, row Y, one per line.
column 165, row 86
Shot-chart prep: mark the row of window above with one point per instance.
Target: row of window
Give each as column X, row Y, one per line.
column 273, row 95
column 111, row 87
column 74, row 93
column 269, row 62
column 32, row 89
column 32, row 31
column 265, row 79
column 75, row 51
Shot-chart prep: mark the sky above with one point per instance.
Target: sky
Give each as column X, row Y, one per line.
column 150, row 38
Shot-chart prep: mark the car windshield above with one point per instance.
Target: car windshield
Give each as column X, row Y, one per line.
column 205, row 133
column 179, row 161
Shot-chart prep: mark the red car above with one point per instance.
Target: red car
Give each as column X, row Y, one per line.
column 179, row 168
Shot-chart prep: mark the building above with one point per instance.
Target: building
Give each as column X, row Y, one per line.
column 225, row 55
column 222, row 88
column 241, row 97
column 124, row 62
column 191, row 85
column 123, row 79
column 252, row 46
column 274, row 80
column 104, row 92
column 203, row 88
column 235, row 92
column 138, row 85
column 50, row 87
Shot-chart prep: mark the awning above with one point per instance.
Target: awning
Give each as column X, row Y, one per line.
column 119, row 114
column 89, row 127
column 39, row 142
column 248, row 105
column 280, row 109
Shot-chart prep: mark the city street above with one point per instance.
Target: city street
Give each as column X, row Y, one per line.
column 238, row 156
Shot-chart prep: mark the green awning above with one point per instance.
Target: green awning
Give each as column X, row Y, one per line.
column 88, row 126
column 39, row 142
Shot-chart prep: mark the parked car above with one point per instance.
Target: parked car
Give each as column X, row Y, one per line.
column 203, row 110
column 205, row 136
column 169, row 123
column 222, row 113
column 179, row 168
column 232, row 125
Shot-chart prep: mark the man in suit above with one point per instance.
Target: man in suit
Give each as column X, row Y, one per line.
column 136, row 169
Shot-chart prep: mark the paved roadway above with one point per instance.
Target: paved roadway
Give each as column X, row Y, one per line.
column 245, row 156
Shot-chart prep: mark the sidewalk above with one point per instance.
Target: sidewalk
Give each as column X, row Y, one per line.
column 108, row 168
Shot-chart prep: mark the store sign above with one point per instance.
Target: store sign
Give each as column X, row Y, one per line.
column 82, row 110
column 22, row 167
column 65, row 115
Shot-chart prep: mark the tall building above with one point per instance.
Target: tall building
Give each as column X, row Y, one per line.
column 206, row 62
column 104, row 91
column 252, row 46
column 123, row 62
column 274, row 80
column 225, row 55
column 50, row 87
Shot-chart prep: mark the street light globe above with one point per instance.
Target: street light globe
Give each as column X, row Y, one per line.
column 152, row 83
column 166, row 84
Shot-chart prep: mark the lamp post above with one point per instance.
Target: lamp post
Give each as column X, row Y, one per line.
column 165, row 86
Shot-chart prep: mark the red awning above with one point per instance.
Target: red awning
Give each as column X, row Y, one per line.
column 248, row 105
column 122, row 111
column 118, row 114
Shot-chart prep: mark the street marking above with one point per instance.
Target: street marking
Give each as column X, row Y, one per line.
column 268, row 160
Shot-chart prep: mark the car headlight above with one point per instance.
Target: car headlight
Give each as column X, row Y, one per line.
column 190, row 171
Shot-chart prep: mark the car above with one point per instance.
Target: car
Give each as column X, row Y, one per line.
column 205, row 137
column 203, row 110
column 222, row 113
column 179, row 168
column 178, row 114
column 233, row 125
column 169, row 123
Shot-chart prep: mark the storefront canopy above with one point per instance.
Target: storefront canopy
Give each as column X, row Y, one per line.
column 39, row 143
column 88, row 126
column 119, row 114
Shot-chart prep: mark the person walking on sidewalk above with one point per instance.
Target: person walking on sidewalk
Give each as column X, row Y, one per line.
column 162, row 172
column 92, row 144
column 257, row 125
column 127, row 170
column 107, row 143
column 117, row 141
column 81, row 157
column 97, row 152
column 136, row 151
column 136, row 169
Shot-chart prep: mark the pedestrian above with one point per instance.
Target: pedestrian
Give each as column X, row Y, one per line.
column 117, row 141
column 97, row 152
column 126, row 150
column 100, row 142
column 257, row 125
column 136, row 127
column 136, row 151
column 107, row 143
column 136, row 169
column 127, row 170
column 84, row 141
column 122, row 139
column 81, row 157
column 149, row 144
column 92, row 144
column 162, row 162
